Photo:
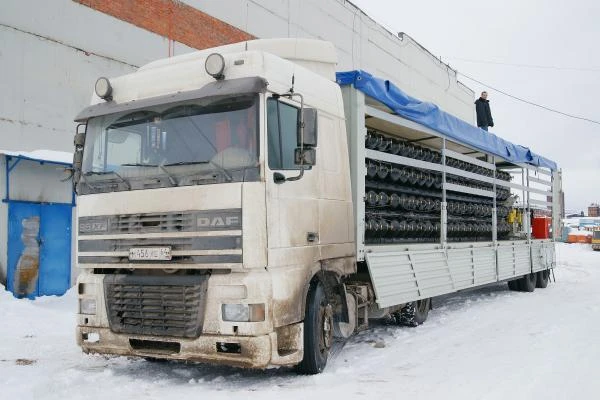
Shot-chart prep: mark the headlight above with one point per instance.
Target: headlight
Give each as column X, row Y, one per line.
column 243, row 312
column 87, row 306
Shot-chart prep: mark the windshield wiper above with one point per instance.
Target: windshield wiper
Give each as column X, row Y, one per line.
column 187, row 163
column 84, row 180
column 107, row 173
column 172, row 179
column 223, row 170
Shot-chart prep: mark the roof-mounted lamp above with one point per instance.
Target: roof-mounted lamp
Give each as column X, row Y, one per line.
column 215, row 65
column 103, row 89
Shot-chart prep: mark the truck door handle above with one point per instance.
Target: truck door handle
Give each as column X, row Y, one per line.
column 312, row 237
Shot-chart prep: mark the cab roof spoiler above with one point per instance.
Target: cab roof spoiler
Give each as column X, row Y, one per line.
column 217, row 88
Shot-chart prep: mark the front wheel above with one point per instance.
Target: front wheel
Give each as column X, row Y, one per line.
column 318, row 331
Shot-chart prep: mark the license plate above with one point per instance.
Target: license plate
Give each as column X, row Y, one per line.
column 150, row 253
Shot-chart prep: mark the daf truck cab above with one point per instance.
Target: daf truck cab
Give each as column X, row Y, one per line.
column 214, row 207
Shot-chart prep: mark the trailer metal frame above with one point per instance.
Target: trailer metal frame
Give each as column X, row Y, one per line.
column 401, row 273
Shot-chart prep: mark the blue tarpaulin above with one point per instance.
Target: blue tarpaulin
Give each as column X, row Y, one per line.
column 430, row 115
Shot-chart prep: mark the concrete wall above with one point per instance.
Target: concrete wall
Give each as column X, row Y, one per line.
column 360, row 42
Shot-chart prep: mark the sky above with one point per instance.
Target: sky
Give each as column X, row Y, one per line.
column 561, row 39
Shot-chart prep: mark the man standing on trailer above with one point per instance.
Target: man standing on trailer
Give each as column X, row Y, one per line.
column 484, row 114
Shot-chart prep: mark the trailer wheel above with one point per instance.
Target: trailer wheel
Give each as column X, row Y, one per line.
column 156, row 360
column 514, row 285
column 528, row 282
column 543, row 277
column 318, row 331
column 415, row 313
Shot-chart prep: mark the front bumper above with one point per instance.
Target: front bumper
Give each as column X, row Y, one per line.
column 252, row 351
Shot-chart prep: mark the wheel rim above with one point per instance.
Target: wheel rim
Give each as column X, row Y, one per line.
column 326, row 334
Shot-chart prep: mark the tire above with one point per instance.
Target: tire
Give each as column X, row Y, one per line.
column 415, row 313
column 318, row 331
column 528, row 282
column 514, row 285
column 156, row 360
column 543, row 277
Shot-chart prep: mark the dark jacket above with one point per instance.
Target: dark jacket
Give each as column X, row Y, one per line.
column 484, row 115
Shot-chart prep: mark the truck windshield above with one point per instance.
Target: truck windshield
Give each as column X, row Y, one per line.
column 596, row 235
column 204, row 141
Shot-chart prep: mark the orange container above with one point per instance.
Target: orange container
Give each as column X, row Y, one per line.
column 588, row 239
column 541, row 227
column 572, row 238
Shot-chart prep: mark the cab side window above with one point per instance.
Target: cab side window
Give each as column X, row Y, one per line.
column 282, row 126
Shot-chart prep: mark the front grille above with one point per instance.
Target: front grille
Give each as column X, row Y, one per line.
column 184, row 221
column 167, row 222
column 156, row 305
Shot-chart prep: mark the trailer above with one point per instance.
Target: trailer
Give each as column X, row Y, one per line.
column 245, row 205
column 402, row 270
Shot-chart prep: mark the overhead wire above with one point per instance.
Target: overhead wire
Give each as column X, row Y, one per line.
column 537, row 66
column 530, row 102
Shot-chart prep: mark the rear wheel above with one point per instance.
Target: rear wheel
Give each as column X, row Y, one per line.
column 528, row 282
column 415, row 313
column 543, row 277
column 318, row 331
column 514, row 285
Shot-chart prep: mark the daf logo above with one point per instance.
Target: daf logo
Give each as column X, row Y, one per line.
column 218, row 221
column 93, row 226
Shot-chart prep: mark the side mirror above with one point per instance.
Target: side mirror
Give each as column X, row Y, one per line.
column 309, row 137
column 79, row 139
column 77, row 160
column 306, row 156
column 78, row 142
column 77, row 164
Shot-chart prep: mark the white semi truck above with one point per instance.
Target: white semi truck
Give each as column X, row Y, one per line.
column 245, row 205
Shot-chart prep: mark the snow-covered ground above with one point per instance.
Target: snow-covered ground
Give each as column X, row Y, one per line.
column 485, row 344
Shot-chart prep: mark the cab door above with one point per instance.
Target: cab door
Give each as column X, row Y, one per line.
column 292, row 206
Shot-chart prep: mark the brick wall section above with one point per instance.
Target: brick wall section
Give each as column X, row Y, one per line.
column 171, row 19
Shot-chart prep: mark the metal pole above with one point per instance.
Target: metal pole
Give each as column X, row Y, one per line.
column 528, row 209
column 494, row 209
column 523, row 216
column 444, row 216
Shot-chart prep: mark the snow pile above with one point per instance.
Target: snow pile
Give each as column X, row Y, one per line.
column 580, row 233
column 489, row 343
column 43, row 155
